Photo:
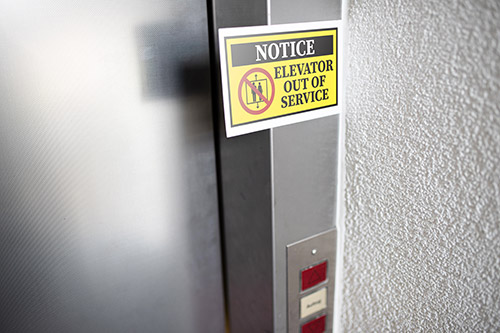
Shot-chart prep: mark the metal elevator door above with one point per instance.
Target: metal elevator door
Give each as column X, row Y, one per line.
column 108, row 196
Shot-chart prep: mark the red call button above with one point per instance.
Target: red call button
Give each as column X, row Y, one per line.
column 313, row 275
column 315, row 326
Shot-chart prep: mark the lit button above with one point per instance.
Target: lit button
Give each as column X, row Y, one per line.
column 313, row 303
column 315, row 326
column 313, row 275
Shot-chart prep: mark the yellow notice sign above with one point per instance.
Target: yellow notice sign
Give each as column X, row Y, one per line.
column 278, row 75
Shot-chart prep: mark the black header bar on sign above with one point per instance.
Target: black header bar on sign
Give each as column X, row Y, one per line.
column 279, row 50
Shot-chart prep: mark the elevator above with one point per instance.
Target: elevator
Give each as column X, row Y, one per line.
column 124, row 207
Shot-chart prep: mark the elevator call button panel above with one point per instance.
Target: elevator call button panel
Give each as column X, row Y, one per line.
column 311, row 283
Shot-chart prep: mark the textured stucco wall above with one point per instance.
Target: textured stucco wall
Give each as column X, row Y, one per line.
column 422, row 243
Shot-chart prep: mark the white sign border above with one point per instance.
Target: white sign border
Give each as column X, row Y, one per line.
column 232, row 131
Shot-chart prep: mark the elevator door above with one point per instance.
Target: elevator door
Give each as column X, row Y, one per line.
column 108, row 199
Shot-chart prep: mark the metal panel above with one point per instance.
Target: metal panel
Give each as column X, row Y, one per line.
column 108, row 200
column 278, row 186
column 305, row 164
column 305, row 187
column 295, row 11
column 245, row 183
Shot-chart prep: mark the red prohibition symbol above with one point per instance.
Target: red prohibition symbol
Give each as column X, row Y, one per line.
column 245, row 80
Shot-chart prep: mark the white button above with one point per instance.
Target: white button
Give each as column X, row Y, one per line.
column 313, row 303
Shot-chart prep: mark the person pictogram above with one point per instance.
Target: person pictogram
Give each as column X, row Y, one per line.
column 257, row 89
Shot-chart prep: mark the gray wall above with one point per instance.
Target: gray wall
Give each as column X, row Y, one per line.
column 422, row 243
